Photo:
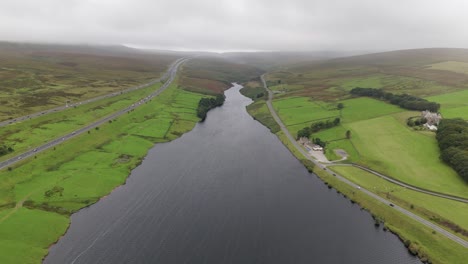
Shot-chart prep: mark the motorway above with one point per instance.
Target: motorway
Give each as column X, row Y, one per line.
column 357, row 187
column 172, row 72
column 63, row 107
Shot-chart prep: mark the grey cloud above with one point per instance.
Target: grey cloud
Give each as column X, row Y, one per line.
column 240, row 24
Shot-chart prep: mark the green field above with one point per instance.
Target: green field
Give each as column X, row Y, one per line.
column 298, row 112
column 380, row 140
column 389, row 147
column 453, row 105
column 100, row 162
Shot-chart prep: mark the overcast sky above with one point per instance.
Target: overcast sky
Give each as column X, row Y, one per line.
column 219, row 25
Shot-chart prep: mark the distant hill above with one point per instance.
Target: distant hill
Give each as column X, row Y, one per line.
column 278, row 59
column 214, row 73
column 422, row 72
column 38, row 76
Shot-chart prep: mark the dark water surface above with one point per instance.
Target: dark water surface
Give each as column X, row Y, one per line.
column 226, row 192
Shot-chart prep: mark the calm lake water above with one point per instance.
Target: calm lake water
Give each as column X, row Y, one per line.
column 226, row 192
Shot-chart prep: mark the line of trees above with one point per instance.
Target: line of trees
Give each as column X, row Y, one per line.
column 316, row 127
column 452, row 136
column 406, row 101
column 206, row 104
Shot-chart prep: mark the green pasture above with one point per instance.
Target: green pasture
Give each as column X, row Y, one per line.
column 453, row 105
column 388, row 146
column 26, row 234
column 364, row 108
column 302, row 110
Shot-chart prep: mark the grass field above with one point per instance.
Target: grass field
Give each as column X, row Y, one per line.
column 299, row 112
column 453, row 105
column 380, row 140
column 101, row 161
column 433, row 208
column 389, row 147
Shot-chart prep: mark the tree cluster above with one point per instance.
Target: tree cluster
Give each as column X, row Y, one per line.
column 416, row 121
column 406, row 101
column 5, row 150
column 318, row 141
column 53, row 191
column 206, row 104
column 452, row 136
column 316, row 127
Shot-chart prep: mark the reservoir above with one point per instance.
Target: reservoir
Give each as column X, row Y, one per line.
column 226, row 192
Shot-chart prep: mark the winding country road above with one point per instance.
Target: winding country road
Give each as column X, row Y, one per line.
column 172, row 72
column 61, row 108
column 341, row 178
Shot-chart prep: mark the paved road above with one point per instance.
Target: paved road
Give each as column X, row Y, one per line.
column 61, row 108
column 171, row 75
column 357, row 187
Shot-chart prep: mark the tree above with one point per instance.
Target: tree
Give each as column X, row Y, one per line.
column 340, row 106
column 305, row 132
column 336, row 121
column 348, row 134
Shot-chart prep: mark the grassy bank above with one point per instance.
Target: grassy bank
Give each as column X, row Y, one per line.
column 60, row 181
